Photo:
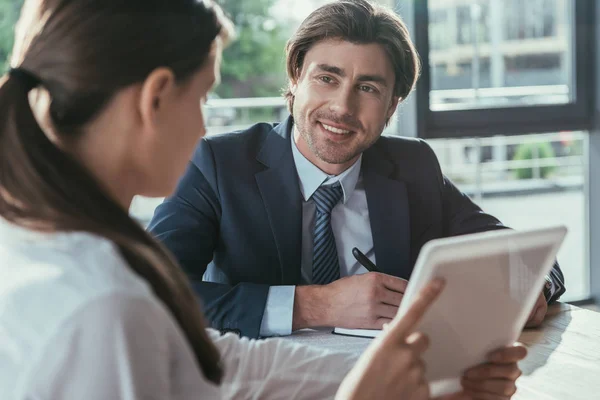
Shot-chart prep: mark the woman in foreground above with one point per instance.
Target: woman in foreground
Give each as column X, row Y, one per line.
column 102, row 104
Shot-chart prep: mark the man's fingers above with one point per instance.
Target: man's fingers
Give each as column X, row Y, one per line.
column 537, row 318
column 383, row 323
column 533, row 321
column 402, row 326
column 394, row 283
column 390, row 297
column 418, row 341
column 532, row 313
column 508, row 355
column 540, row 315
column 386, row 311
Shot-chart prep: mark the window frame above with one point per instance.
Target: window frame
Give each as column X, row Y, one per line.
column 513, row 120
column 592, row 195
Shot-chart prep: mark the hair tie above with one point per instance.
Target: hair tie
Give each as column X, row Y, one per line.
column 25, row 77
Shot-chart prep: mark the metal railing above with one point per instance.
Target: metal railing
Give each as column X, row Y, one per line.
column 456, row 99
column 466, row 161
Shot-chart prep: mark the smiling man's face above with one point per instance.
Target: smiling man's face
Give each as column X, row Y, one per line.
column 342, row 100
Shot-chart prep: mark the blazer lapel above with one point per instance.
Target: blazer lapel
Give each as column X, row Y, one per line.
column 389, row 214
column 280, row 191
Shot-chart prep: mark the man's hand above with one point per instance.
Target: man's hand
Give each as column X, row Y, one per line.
column 391, row 367
column 360, row 301
column 494, row 380
column 364, row 301
column 538, row 313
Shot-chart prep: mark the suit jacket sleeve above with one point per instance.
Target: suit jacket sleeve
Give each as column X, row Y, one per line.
column 187, row 223
column 461, row 216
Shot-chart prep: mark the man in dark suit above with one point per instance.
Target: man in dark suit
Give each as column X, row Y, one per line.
column 264, row 220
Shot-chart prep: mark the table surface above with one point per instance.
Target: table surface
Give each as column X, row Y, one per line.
column 563, row 361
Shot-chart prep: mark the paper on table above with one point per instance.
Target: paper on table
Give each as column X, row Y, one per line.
column 368, row 333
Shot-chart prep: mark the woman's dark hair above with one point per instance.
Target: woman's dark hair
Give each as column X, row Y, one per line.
column 359, row 22
column 82, row 52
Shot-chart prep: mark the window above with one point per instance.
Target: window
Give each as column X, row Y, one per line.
column 532, row 19
column 528, row 181
column 506, row 101
column 507, row 67
column 471, row 24
column 504, row 53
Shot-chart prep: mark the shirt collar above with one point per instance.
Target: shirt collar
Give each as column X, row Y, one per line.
column 311, row 177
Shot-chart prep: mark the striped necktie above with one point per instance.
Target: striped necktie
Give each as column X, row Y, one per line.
column 326, row 266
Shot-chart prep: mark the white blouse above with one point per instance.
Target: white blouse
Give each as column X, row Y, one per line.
column 76, row 323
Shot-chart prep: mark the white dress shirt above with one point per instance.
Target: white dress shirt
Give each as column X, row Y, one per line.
column 351, row 228
column 76, row 323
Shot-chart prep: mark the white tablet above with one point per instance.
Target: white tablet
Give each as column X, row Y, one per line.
column 492, row 282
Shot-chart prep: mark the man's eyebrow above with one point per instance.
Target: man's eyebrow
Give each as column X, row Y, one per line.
column 332, row 69
column 373, row 78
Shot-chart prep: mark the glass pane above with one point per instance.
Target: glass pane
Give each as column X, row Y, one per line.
column 528, row 181
column 499, row 53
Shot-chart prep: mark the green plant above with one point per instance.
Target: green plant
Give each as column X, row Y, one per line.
column 9, row 13
column 254, row 63
column 530, row 151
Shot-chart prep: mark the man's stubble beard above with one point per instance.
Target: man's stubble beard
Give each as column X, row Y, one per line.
column 319, row 148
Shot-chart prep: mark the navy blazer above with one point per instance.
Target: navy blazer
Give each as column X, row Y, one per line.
column 236, row 217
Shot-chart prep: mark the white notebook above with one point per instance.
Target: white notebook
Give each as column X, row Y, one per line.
column 368, row 333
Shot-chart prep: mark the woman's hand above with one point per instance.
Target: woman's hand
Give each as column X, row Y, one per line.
column 494, row 380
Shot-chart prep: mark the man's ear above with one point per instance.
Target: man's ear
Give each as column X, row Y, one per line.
column 294, row 81
column 157, row 90
column 293, row 85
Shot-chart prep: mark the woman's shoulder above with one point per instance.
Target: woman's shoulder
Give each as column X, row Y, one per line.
column 65, row 267
column 47, row 277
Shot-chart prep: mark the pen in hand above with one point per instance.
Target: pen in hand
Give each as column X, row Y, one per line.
column 364, row 261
